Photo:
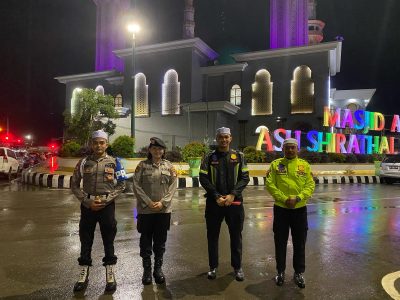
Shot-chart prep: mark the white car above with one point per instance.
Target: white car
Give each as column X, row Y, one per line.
column 390, row 169
column 9, row 164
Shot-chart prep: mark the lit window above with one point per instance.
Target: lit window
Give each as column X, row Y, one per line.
column 171, row 94
column 261, row 99
column 75, row 101
column 236, row 95
column 353, row 107
column 302, row 91
column 100, row 89
column 118, row 101
column 141, row 96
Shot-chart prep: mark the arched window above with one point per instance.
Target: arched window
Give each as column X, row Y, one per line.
column 236, row 95
column 171, row 94
column 100, row 89
column 302, row 91
column 118, row 101
column 141, row 96
column 353, row 106
column 261, row 99
column 74, row 101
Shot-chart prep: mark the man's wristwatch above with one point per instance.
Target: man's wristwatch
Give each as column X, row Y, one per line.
column 298, row 199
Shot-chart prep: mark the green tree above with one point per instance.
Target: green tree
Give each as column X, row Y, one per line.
column 123, row 146
column 93, row 111
column 254, row 156
column 194, row 149
column 70, row 149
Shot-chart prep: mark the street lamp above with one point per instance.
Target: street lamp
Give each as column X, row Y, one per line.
column 134, row 29
column 29, row 138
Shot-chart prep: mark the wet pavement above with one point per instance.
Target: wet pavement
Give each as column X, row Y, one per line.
column 353, row 242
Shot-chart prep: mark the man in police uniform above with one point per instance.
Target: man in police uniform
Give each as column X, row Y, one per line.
column 224, row 175
column 98, row 172
column 290, row 183
column 154, row 185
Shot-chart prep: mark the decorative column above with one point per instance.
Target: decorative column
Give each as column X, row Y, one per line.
column 110, row 34
column 315, row 27
column 288, row 23
column 188, row 20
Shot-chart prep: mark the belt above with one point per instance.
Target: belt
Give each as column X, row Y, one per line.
column 98, row 197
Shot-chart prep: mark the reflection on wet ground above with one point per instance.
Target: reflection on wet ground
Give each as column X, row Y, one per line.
column 353, row 241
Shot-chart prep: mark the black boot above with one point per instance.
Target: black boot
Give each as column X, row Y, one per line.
column 212, row 274
column 83, row 280
column 111, row 284
column 146, row 279
column 299, row 280
column 280, row 278
column 158, row 273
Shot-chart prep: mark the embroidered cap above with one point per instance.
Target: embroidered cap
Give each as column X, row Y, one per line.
column 100, row 134
column 290, row 141
column 155, row 141
column 223, row 130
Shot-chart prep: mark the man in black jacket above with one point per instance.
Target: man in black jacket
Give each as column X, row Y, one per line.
column 224, row 175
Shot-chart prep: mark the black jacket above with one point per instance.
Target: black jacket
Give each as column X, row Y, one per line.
column 223, row 173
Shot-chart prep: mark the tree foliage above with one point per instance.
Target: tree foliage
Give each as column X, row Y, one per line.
column 254, row 156
column 194, row 149
column 93, row 111
column 70, row 149
column 123, row 146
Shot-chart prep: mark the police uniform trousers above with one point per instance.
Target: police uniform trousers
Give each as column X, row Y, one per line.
column 108, row 228
column 234, row 217
column 296, row 220
column 153, row 229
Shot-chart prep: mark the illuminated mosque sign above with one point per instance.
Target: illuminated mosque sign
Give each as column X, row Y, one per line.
column 358, row 143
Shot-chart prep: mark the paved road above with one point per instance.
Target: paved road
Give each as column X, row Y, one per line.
column 353, row 242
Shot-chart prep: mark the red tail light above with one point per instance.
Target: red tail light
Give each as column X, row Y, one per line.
column 5, row 159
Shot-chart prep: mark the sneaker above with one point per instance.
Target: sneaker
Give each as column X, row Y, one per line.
column 212, row 274
column 111, row 284
column 239, row 275
column 280, row 278
column 83, row 280
column 299, row 280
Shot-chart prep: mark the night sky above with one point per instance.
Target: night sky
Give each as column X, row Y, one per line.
column 42, row 39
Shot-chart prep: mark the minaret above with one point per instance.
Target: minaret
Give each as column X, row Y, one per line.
column 188, row 20
column 288, row 23
column 315, row 27
column 110, row 35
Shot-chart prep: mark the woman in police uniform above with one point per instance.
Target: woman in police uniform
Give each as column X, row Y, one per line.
column 154, row 185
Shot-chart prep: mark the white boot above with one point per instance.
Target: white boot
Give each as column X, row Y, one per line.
column 111, row 284
column 83, row 280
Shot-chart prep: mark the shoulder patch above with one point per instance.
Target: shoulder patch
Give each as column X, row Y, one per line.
column 173, row 171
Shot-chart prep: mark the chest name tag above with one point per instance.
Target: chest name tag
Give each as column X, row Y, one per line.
column 281, row 169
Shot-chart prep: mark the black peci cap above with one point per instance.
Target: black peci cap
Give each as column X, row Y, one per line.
column 155, row 141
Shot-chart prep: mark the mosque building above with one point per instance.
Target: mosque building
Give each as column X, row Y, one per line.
column 184, row 90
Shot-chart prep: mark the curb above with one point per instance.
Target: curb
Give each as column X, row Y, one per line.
column 64, row 181
column 258, row 181
column 46, row 180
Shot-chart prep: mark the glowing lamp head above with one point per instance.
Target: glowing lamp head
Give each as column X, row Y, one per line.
column 133, row 28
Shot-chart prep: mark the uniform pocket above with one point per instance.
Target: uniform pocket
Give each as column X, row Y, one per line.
column 147, row 177
column 165, row 176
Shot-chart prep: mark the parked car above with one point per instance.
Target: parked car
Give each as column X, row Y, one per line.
column 9, row 164
column 21, row 156
column 390, row 169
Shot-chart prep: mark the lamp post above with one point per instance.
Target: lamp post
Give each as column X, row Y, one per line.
column 133, row 29
column 29, row 138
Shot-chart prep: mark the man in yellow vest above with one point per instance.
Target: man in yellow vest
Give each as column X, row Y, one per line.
column 290, row 183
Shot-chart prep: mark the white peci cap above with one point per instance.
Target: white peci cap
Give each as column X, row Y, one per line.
column 223, row 130
column 100, row 134
column 290, row 141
